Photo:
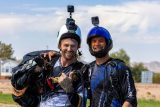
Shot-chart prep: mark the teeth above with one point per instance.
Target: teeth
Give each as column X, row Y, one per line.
column 69, row 53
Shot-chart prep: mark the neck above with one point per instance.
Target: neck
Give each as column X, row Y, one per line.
column 102, row 60
column 65, row 62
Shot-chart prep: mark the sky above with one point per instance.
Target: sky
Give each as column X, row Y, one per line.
column 31, row 25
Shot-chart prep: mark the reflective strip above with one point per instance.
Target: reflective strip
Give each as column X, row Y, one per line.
column 130, row 94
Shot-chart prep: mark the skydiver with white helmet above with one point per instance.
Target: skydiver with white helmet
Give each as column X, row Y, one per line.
column 59, row 78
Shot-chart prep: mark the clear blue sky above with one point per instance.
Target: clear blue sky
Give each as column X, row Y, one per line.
column 31, row 25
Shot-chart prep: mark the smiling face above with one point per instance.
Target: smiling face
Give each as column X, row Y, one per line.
column 68, row 48
column 98, row 43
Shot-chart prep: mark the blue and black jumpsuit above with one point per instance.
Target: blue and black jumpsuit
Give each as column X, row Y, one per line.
column 111, row 84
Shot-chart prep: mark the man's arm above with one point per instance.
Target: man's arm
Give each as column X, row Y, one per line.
column 128, row 90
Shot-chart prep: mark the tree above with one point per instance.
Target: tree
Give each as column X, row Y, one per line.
column 136, row 69
column 156, row 78
column 121, row 54
column 6, row 50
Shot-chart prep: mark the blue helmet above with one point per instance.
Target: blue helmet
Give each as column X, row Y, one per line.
column 102, row 32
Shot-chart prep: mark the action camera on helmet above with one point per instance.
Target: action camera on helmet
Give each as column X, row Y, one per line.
column 70, row 29
column 95, row 21
column 70, row 8
column 70, row 22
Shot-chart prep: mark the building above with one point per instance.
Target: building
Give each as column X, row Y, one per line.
column 6, row 67
column 147, row 77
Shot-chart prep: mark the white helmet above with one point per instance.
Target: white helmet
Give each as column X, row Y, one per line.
column 69, row 31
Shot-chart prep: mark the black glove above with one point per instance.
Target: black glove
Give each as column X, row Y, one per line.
column 39, row 60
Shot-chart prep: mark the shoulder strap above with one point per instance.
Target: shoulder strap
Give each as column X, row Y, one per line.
column 114, row 80
column 91, row 67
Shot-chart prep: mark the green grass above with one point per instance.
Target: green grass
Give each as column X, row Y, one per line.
column 148, row 103
column 7, row 99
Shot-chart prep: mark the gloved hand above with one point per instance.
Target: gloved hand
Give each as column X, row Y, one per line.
column 74, row 76
column 43, row 62
column 39, row 60
column 66, row 83
column 50, row 55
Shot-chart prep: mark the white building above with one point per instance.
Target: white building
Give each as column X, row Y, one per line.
column 146, row 77
column 6, row 67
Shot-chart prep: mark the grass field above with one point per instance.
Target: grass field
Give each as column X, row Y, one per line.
column 7, row 99
column 148, row 103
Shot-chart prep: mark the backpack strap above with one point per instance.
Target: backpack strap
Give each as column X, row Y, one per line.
column 90, row 72
column 114, row 79
column 91, row 67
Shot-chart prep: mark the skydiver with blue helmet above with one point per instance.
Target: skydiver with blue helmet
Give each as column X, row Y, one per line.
column 111, row 82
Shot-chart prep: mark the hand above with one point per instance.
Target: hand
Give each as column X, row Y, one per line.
column 49, row 55
column 66, row 83
column 39, row 61
column 127, row 104
column 73, row 76
column 62, row 77
column 54, row 79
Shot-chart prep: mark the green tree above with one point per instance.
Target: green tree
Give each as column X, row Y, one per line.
column 6, row 50
column 136, row 69
column 121, row 54
column 156, row 78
